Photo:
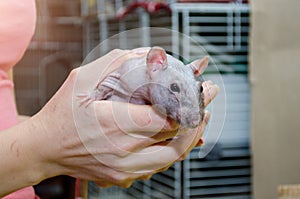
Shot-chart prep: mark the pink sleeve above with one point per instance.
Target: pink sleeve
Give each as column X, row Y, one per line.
column 17, row 24
column 8, row 113
column 16, row 30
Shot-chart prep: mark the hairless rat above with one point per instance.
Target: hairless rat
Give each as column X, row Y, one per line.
column 160, row 80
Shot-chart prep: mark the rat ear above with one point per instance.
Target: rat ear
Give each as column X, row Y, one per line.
column 199, row 65
column 156, row 59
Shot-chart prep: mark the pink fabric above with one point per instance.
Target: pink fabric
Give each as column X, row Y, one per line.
column 8, row 113
column 26, row 193
column 17, row 24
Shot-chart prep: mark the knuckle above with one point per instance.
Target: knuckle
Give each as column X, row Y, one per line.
column 116, row 50
column 73, row 74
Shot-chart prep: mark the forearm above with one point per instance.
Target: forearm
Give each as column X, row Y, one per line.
column 21, row 161
column 23, row 118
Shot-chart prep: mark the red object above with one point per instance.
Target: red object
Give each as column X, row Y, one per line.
column 150, row 7
column 210, row 1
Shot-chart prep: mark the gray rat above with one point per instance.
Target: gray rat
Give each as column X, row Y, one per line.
column 160, row 80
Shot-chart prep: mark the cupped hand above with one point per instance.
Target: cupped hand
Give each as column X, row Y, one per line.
column 111, row 143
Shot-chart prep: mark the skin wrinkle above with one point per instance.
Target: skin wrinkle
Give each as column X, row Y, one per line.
column 14, row 148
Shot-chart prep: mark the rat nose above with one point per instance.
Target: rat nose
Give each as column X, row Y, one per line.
column 193, row 120
column 194, row 123
column 190, row 118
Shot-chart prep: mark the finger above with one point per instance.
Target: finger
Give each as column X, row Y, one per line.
column 165, row 168
column 200, row 142
column 132, row 118
column 136, row 126
column 158, row 157
column 205, row 121
column 163, row 154
column 142, row 50
column 92, row 73
column 145, row 177
column 148, row 176
column 198, row 133
column 198, row 139
column 104, row 184
column 210, row 91
column 201, row 129
column 123, row 184
column 129, row 54
column 112, row 177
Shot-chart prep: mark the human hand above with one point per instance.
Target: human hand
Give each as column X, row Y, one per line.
column 111, row 143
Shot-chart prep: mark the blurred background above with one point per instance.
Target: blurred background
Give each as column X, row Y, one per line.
column 254, row 46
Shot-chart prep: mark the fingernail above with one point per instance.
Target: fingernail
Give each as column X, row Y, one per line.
column 200, row 142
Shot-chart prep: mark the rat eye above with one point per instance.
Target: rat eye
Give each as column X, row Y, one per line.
column 175, row 88
column 201, row 88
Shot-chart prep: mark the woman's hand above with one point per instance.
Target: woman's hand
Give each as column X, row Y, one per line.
column 111, row 143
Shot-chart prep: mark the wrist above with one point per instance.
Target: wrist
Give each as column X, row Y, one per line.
column 44, row 142
column 19, row 165
column 24, row 152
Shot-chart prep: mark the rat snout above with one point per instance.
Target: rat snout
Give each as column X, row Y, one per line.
column 193, row 120
column 190, row 119
column 160, row 109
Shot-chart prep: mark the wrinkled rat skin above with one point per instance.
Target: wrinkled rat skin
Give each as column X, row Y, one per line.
column 160, row 80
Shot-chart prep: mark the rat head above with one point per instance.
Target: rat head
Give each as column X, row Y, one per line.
column 174, row 89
